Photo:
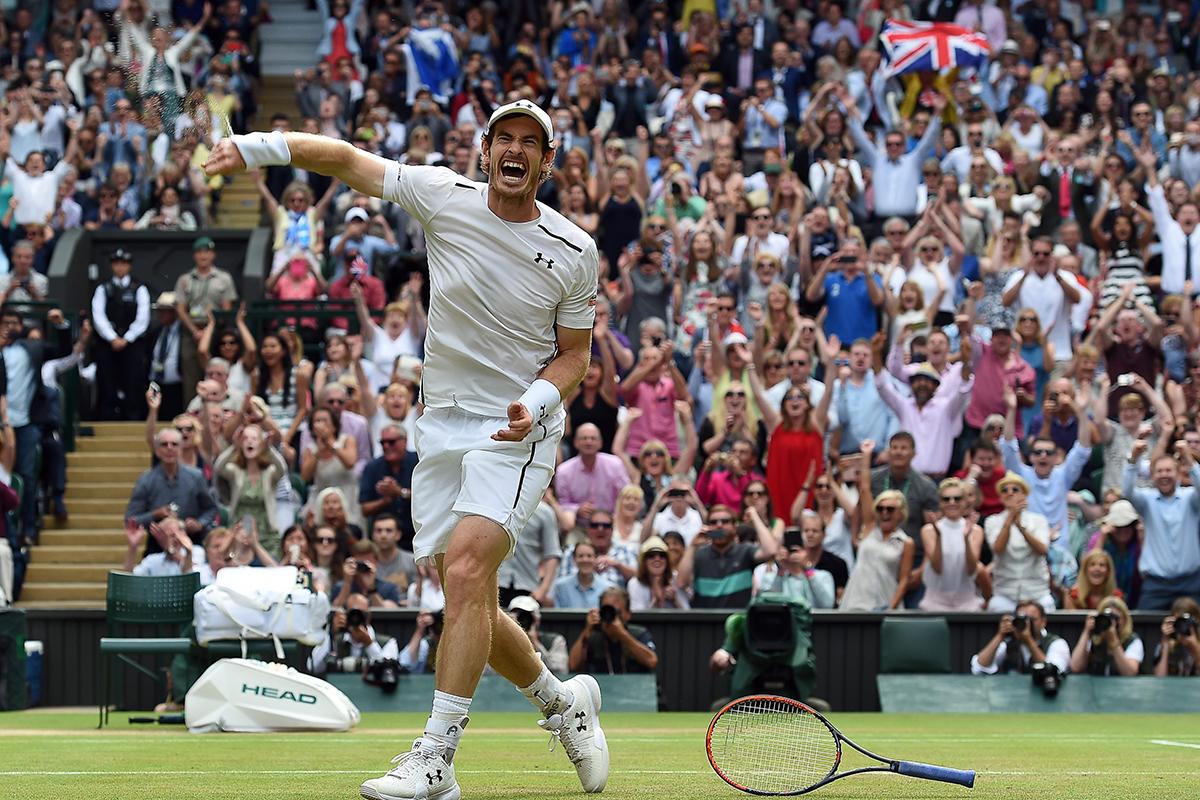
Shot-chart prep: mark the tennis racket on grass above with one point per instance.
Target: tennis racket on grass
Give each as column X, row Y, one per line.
column 769, row 745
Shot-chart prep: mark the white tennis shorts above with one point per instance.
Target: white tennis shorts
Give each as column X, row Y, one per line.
column 462, row 471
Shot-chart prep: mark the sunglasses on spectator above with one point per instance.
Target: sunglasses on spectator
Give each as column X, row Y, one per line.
column 386, row 442
column 656, row 225
column 722, row 521
column 600, row 525
column 735, row 393
column 797, row 362
column 1042, row 253
column 1042, row 451
column 651, row 453
column 754, row 493
column 952, row 498
column 186, row 428
column 326, row 540
column 887, row 509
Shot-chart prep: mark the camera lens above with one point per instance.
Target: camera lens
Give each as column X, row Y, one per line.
column 608, row 614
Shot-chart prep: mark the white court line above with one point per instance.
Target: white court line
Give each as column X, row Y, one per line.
column 314, row 772
column 1169, row 743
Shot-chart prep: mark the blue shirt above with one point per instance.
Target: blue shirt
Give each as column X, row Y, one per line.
column 1172, row 546
column 368, row 247
column 567, row 592
column 851, row 312
column 21, row 383
column 863, row 414
column 1048, row 496
column 376, row 470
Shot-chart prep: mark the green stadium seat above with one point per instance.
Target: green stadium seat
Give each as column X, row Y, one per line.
column 915, row 644
column 138, row 600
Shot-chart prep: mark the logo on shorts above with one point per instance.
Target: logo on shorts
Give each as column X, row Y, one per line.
column 549, row 262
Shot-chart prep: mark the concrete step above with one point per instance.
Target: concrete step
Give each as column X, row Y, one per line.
column 77, row 554
column 106, row 505
column 83, row 538
column 125, row 475
column 57, row 592
column 106, row 459
column 115, row 522
column 42, row 573
column 81, row 490
column 73, row 605
column 114, row 444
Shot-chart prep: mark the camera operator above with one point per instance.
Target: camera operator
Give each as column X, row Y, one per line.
column 352, row 645
column 420, row 654
column 359, row 576
column 1179, row 651
column 609, row 644
column 1022, row 644
column 1108, row 645
column 552, row 647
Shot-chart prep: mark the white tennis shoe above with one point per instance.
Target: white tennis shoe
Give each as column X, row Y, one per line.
column 578, row 728
column 419, row 774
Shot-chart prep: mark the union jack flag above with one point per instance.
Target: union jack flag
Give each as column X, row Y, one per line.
column 931, row 46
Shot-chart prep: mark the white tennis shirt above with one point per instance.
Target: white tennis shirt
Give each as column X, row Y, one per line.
column 496, row 289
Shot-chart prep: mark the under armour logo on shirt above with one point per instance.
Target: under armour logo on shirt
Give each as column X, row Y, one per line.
column 548, row 261
column 434, row 778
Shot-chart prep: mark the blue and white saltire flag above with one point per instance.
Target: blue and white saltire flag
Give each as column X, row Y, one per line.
column 931, row 46
column 432, row 62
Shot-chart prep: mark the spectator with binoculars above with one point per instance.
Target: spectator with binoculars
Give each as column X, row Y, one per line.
column 1021, row 643
column 1108, row 645
column 609, row 645
column 352, row 645
column 1179, row 651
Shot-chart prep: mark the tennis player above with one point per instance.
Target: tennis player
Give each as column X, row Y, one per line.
column 512, row 303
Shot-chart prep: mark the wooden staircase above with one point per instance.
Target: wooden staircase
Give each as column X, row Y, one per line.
column 240, row 205
column 69, row 566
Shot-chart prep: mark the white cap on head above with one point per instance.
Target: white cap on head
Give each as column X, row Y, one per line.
column 522, row 107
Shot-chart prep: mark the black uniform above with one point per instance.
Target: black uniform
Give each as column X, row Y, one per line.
column 121, row 375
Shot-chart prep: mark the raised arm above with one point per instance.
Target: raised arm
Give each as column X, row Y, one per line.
column 359, row 169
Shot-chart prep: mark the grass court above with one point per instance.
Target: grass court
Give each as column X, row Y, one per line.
column 57, row 754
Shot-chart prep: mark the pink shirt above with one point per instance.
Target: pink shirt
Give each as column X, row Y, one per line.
column 934, row 425
column 991, row 376
column 575, row 484
column 657, row 402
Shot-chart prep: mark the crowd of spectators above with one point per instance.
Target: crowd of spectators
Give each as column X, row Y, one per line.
column 918, row 341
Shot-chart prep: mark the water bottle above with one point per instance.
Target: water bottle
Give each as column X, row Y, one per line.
column 33, row 672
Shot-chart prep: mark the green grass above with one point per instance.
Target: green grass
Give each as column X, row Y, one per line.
column 60, row 754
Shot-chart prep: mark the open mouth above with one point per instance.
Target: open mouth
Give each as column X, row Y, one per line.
column 512, row 172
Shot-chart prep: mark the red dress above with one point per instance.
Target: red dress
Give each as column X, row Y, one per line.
column 790, row 455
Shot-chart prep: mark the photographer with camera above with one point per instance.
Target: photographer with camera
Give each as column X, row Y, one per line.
column 1108, row 645
column 420, row 654
column 352, row 645
column 1023, row 645
column 609, row 644
column 360, row 576
column 551, row 647
column 1179, row 651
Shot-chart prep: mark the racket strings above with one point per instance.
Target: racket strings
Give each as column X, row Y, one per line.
column 771, row 746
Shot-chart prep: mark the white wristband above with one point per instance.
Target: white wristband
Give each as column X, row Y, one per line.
column 263, row 149
column 541, row 398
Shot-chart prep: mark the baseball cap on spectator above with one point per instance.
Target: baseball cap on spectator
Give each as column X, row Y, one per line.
column 165, row 300
column 204, row 243
column 121, row 254
column 523, row 107
column 1012, row 479
column 580, row 8
column 1120, row 514
column 55, row 66
column 714, row 101
column 525, row 603
column 1010, row 46
column 356, row 213
column 733, row 338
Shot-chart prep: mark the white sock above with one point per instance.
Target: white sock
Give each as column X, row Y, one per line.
column 447, row 720
column 548, row 694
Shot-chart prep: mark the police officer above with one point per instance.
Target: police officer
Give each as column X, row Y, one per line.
column 121, row 317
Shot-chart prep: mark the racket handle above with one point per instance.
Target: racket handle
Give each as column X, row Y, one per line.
column 915, row 769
